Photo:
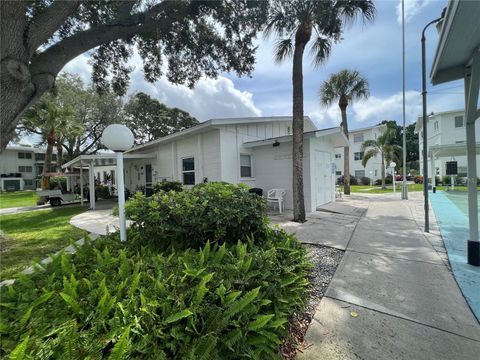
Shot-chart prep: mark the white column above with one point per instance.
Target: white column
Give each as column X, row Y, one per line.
column 121, row 197
column 81, row 183
column 432, row 169
column 472, row 85
column 91, row 174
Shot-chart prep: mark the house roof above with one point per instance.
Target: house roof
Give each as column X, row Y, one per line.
column 338, row 137
column 36, row 150
column 217, row 122
column 459, row 39
column 367, row 128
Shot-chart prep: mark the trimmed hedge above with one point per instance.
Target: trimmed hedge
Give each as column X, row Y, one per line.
column 167, row 186
column 214, row 212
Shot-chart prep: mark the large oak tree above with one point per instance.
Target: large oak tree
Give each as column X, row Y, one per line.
column 183, row 40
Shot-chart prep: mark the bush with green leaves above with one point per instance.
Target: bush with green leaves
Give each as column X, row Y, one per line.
column 102, row 192
column 364, row 180
column 214, row 212
column 167, row 186
column 57, row 182
column 112, row 300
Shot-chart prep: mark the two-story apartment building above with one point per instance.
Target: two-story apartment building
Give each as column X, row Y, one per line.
column 446, row 136
column 373, row 169
column 22, row 166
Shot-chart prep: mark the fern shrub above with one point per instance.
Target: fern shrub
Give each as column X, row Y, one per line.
column 215, row 212
column 114, row 301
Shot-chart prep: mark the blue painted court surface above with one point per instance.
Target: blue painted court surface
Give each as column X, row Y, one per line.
column 451, row 212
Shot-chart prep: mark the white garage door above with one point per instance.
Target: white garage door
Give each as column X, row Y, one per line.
column 323, row 177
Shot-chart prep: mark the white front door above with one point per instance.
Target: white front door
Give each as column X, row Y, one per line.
column 323, row 177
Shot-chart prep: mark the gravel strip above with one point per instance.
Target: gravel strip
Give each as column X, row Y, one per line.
column 325, row 261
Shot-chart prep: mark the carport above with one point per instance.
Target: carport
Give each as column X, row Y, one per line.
column 89, row 162
column 458, row 57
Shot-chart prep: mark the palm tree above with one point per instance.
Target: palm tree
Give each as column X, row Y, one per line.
column 344, row 86
column 47, row 120
column 384, row 146
column 294, row 23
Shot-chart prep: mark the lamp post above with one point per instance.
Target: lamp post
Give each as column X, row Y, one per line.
column 119, row 138
column 424, row 124
column 392, row 166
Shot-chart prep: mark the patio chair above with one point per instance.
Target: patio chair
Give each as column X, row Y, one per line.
column 276, row 196
column 338, row 192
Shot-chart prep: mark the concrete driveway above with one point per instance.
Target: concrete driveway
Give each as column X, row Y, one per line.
column 393, row 296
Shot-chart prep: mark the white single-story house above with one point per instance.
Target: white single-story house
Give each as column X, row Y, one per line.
column 256, row 151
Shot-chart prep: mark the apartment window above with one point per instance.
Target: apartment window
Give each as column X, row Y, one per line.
column 188, row 171
column 112, row 174
column 338, row 156
column 245, row 166
column 359, row 173
column 54, row 157
column 24, row 155
column 28, row 182
column 338, row 172
column 358, row 155
column 25, row 169
column 375, row 172
column 435, row 125
column 288, row 130
column 39, row 157
column 458, row 121
column 358, row 138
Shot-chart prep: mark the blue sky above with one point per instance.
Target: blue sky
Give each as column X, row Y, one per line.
column 373, row 48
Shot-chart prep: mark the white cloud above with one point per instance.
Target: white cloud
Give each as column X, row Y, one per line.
column 412, row 8
column 211, row 98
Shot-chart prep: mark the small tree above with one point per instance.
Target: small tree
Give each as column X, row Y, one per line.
column 51, row 122
column 383, row 146
column 344, row 86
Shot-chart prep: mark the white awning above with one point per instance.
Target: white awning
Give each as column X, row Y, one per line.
column 451, row 150
column 107, row 159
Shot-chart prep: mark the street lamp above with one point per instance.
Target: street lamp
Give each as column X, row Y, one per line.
column 424, row 124
column 392, row 166
column 119, row 138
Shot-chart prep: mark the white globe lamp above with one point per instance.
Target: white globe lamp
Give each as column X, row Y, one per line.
column 119, row 138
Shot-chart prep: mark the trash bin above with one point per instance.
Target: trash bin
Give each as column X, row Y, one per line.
column 256, row 191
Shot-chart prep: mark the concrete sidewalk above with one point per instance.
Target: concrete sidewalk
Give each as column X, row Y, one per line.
column 393, row 296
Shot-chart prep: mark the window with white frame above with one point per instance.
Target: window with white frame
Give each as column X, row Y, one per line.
column 358, row 138
column 358, row 156
column 359, row 173
column 188, row 171
column 24, row 155
column 435, row 125
column 245, row 166
column 458, row 121
column 338, row 156
column 338, row 172
column 25, row 169
column 112, row 175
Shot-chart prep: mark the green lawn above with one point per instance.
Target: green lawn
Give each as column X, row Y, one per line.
column 32, row 236
column 18, row 199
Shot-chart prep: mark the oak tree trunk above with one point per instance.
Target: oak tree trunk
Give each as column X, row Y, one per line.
column 301, row 38
column 343, row 103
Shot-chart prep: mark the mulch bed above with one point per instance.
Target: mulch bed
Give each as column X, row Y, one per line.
column 325, row 261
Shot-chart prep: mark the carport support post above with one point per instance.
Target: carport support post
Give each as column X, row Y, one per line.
column 472, row 86
column 91, row 174
column 81, row 183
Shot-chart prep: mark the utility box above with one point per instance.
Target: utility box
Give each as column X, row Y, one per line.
column 452, row 168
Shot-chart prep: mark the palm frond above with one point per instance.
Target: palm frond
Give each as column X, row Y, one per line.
column 351, row 10
column 320, row 50
column 283, row 50
column 368, row 155
column 370, row 144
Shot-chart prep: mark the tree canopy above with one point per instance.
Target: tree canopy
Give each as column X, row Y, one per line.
column 181, row 40
column 149, row 119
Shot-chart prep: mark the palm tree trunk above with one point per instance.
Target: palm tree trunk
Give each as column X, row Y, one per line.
column 301, row 39
column 383, row 172
column 59, row 157
column 51, row 140
column 343, row 103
